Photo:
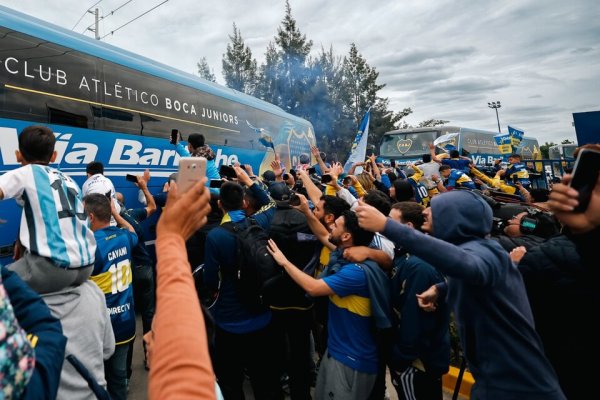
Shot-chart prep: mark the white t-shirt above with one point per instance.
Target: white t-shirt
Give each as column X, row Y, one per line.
column 429, row 169
column 53, row 223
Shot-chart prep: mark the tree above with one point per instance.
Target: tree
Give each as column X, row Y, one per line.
column 204, row 70
column 322, row 101
column 268, row 88
column 544, row 149
column 285, row 76
column 239, row 68
column 359, row 84
column 567, row 141
column 431, row 123
column 359, row 93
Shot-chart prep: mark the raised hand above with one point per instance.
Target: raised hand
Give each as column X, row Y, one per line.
column 184, row 213
column 564, row 199
column 370, row 218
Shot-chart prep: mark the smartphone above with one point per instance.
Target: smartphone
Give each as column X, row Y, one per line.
column 216, row 183
column 515, row 179
column 286, row 177
column 227, row 171
column 174, row 136
column 294, row 200
column 311, row 170
column 191, row 170
column 585, row 176
column 131, row 178
column 325, row 179
column 393, row 163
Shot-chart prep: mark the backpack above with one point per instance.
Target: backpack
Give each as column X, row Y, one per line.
column 290, row 231
column 256, row 272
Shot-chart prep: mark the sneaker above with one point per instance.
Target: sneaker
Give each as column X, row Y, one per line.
column 284, row 381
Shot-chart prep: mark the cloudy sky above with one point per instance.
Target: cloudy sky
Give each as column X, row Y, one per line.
column 445, row 59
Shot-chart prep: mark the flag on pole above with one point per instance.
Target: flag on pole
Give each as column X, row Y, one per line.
column 447, row 142
column 264, row 138
column 358, row 152
column 516, row 136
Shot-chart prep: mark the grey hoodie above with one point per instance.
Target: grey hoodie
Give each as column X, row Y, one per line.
column 86, row 324
column 488, row 296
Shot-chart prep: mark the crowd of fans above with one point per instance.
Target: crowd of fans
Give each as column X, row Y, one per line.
column 371, row 263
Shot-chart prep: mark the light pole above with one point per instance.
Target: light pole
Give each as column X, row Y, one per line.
column 496, row 105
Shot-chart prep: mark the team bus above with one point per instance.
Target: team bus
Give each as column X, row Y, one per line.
column 562, row 152
column 108, row 104
column 408, row 145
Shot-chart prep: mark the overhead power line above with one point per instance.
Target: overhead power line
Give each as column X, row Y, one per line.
column 107, row 16
column 131, row 20
column 85, row 12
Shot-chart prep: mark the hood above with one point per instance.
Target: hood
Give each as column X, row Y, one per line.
column 65, row 301
column 460, row 216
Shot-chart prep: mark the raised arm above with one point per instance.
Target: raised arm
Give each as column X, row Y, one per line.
column 142, row 183
column 314, row 224
column 314, row 193
column 180, row 365
column 434, row 156
column 315, row 152
column 449, row 259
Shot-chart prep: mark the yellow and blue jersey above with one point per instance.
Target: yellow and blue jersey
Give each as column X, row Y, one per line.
column 459, row 179
column 517, row 171
column 421, row 191
column 351, row 340
column 112, row 273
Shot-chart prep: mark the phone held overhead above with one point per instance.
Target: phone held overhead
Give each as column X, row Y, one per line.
column 585, row 176
column 227, row 171
column 131, row 178
column 191, row 170
column 175, row 135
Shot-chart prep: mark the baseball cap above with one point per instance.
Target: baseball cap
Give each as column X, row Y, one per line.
column 279, row 191
column 268, row 176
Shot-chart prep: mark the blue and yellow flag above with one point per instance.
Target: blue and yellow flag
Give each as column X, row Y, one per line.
column 516, row 136
column 503, row 141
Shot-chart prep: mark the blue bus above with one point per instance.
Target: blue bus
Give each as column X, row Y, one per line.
column 107, row 104
column 408, row 145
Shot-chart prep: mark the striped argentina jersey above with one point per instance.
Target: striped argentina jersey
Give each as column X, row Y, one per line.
column 53, row 223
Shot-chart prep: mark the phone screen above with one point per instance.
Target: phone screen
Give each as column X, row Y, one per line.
column 227, row 171
column 311, row 170
column 174, row 135
column 215, row 183
column 131, row 178
column 585, row 176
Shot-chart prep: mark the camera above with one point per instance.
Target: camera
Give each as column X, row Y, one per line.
column 294, row 200
column 326, row 178
column 498, row 225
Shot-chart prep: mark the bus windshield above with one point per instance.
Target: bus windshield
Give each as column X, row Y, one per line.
column 402, row 145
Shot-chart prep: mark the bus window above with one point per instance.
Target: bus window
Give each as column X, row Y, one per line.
column 397, row 145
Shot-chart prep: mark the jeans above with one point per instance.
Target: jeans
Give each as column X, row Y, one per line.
column 115, row 371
